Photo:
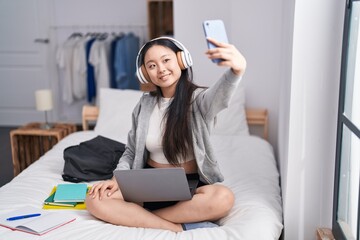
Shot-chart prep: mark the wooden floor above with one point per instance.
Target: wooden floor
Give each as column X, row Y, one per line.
column 6, row 168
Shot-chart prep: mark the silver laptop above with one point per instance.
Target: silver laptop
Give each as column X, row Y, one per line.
column 155, row 184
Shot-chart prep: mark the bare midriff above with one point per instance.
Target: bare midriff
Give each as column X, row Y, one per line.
column 189, row 166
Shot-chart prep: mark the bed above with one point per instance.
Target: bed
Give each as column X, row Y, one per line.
column 247, row 162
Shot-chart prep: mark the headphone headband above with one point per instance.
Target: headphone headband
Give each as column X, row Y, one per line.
column 184, row 59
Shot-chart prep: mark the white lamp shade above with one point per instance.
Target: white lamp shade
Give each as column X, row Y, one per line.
column 44, row 100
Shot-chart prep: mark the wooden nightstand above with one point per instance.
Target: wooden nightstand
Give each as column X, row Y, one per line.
column 258, row 117
column 30, row 142
column 324, row 234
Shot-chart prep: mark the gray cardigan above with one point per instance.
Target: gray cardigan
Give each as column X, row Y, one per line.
column 207, row 103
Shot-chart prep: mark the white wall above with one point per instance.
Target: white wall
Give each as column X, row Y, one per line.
column 257, row 31
column 105, row 12
column 312, row 114
column 285, row 90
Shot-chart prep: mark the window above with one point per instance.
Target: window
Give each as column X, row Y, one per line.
column 347, row 171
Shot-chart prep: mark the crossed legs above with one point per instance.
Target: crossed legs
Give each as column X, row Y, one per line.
column 209, row 203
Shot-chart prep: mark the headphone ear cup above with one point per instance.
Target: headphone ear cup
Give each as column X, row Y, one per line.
column 181, row 60
column 143, row 74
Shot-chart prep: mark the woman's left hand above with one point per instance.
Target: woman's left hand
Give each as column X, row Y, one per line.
column 229, row 54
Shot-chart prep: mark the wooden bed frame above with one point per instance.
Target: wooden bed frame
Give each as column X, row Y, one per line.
column 255, row 117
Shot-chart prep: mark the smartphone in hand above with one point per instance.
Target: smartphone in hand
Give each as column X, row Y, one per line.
column 215, row 29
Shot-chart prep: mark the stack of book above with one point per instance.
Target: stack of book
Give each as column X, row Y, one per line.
column 67, row 196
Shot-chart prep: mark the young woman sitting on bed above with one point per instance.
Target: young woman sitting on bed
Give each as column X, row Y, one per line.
column 171, row 128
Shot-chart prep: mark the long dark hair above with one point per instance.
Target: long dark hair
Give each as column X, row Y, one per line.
column 177, row 139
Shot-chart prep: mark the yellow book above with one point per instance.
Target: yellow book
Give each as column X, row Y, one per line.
column 77, row 206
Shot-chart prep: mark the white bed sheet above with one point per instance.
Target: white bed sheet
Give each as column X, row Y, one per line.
column 247, row 163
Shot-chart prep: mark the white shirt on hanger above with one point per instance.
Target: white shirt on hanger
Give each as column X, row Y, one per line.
column 64, row 59
column 80, row 69
column 99, row 58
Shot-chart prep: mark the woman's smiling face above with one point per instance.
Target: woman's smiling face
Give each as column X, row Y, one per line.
column 163, row 68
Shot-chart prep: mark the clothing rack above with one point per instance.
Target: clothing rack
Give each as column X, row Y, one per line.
column 100, row 26
column 60, row 32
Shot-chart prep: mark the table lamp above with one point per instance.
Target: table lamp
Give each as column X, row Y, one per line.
column 44, row 103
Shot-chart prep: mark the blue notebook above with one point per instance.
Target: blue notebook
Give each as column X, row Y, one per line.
column 75, row 192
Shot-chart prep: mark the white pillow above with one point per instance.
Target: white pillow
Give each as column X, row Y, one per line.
column 232, row 120
column 116, row 107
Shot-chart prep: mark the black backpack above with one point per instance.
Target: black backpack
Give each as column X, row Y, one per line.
column 92, row 160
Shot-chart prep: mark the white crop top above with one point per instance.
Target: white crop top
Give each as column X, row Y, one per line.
column 156, row 132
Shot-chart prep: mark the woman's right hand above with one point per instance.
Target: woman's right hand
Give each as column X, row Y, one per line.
column 105, row 187
column 230, row 54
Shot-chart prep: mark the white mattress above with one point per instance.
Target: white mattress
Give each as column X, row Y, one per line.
column 247, row 163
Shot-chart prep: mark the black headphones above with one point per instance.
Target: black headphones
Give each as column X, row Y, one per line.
column 183, row 57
